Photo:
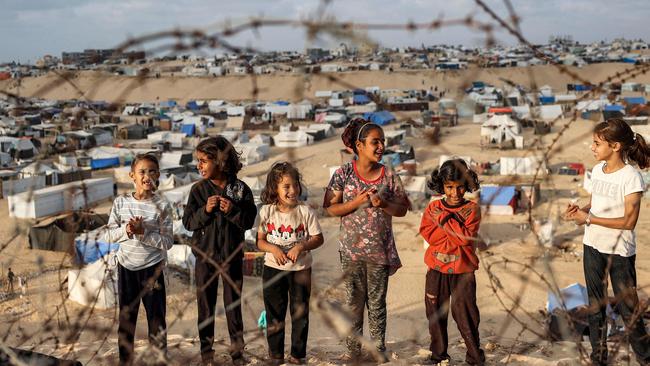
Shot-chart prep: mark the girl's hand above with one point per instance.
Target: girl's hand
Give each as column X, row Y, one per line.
column 579, row 217
column 129, row 229
column 571, row 208
column 362, row 198
column 376, row 200
column 137, row 225
column 295, row 252
column 225, row 205
column 213, row 201
column 278, row 254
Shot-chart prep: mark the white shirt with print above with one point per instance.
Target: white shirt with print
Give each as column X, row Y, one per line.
column 608, row 191
column 286, row 230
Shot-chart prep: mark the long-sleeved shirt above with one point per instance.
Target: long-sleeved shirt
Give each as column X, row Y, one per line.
column 141, row 250
column 218, row 235
column 451, row 232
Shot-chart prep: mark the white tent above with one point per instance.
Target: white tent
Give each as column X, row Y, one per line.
column 252, row 152
column 565, row 98
column 334, row 118
column 180, row 255
column 499, row 129
column 443, row 158
column 550, row 112
column 217, row 106
column 235, row 110
column 256, row 184
column 521, row 166
column 173, row 159
column 323, row 93
column 60, row 198
column 292, row 139
column 415, row 187
column 95, row 284
column 591, row 105
column 521, row 111
column 546, row 91
column 174, row 138
column 299, row 110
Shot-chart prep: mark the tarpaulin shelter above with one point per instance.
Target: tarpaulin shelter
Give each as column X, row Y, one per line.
column 58, row 233
column 91, row 246
column 380, row 117
column 634, row 100
column 361, row 99
column 188, row 129
column 613, row 111
column 498, row 200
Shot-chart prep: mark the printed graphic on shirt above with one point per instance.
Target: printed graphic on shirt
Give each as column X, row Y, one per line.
column 607, row 189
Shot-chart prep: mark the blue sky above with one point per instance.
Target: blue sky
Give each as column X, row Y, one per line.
column 32, row 28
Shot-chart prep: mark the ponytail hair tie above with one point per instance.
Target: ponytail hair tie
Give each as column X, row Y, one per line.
column 634, row 138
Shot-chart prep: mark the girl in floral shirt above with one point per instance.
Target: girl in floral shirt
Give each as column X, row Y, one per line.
column 366, row 196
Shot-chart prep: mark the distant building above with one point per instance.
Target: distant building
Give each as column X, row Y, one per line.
column 98, row 56
column 317, row 54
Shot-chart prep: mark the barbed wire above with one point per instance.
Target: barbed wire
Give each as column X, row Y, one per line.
column 330, row 312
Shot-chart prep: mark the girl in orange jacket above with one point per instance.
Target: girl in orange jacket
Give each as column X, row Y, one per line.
column 450, row 226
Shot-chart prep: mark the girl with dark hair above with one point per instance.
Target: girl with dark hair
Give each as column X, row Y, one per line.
column 219, row 210
column 609, row 240
column 366, row 196
column 450, row 226
column 288, row 231
column 141, row 222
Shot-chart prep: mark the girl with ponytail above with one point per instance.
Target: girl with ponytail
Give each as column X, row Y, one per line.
column 366, row 196
column 609, row 240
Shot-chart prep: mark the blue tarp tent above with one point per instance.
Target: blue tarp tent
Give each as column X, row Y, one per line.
column 191, row 105
column 546, row 100
column 498, row 195
column 188, row 129
column 281, row 102
column 628, row 60
column 359, row 92
column 105, row 163
column 89, row 251
column 381, row 117
column 579, row 87
column 361, row 99
column 168, row 104
column 478, row 84
column 573, row 296
column 614, row 108
column 634, row 100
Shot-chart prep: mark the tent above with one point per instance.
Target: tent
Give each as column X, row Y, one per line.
column 174, row 138
column 501, row 130
column 90, row 246
column 60, row 198
column 59, row 233
column 108, row 157
column 188, row 129
column 292, row 139
column 361, row 99
column 550, row 112
column 613, row 111
column 546, row 100
column 442, row 158
column 380, row 117
column 256, row 184
column 634, row 100
column 95, row 284
column 252, row 152
column 416, row 190
column 498, row 200
column 521, row 166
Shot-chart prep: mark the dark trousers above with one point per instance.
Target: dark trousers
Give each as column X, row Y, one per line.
column 623, row 277
column 146, row 285
column 366, row 285
column 282, row 288
column 461, row 288
column 207, row 284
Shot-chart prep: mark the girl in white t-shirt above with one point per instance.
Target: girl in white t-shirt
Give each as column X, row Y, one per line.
column 609, row 239
column 288, row 230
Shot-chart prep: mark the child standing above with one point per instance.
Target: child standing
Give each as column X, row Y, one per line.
column 219, row 210
column 609, row 240
column 366, row 196
column 287, row 232
column 450, row 226
column 141, row 222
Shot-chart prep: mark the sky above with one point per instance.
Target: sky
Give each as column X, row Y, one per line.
column 33, row 28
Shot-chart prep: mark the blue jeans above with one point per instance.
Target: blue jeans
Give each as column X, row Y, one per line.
column 623, row 277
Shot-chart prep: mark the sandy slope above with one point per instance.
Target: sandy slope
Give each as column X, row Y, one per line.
column 95, row 86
